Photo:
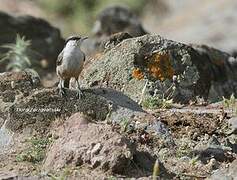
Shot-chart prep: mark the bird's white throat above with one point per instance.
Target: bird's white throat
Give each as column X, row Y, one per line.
column 71, row 44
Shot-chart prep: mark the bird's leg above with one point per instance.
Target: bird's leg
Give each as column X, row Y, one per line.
column 61, row 88
column 80, row 94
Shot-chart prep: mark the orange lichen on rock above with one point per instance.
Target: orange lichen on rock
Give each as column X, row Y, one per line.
column 159, row 66
column 137, row 73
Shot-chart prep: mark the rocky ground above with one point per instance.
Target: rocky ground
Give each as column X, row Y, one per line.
column 108, row 134
column 189, row 144
column 153, row 108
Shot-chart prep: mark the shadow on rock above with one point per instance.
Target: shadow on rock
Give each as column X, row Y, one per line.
column 118, row 98
column 219, row 154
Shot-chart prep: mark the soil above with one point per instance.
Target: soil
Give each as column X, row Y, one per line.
column 190, row 130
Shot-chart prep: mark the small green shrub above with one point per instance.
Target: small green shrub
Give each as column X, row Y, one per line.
column 230, row 104
column 183, row 150
column 112, row 178
column 36, row 150
column 16, row 55
column 124, row 124
column 194, row 160
column 157, row 102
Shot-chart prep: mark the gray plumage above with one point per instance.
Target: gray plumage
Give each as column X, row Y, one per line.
column 70, row 63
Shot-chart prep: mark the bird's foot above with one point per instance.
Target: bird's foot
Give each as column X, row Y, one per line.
column 62, row 92
column 80, row 94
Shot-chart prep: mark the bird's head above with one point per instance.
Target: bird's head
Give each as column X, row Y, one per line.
column 75, row 40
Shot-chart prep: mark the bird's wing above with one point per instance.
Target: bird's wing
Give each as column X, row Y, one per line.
column 59, row 59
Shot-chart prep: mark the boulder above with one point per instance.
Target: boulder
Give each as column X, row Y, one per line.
column 110, row 21
column 163, row 67
column 41, row 107
column 117, row 19
column 96, row 145
column 223, row 71
column 46, row 40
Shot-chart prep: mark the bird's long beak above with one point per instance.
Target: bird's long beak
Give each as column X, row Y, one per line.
column 84, row 38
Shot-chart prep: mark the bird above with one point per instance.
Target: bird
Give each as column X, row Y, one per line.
column 70, row 63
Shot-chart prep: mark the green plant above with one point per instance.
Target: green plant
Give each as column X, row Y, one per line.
column 194, row 161
column 183, row 150
column 157, row 102
column 16, row 54
column 36, row 150
column 156, row 170
column 230, row 104
column 124, row 124
column 162, row 97
column 112, row 178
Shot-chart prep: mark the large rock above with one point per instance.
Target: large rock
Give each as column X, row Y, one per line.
column 222, row 68
column 42, row 106
column 117, row 19
column 165, row 64
column 97, row 145
column 45, row 39
column 113, row 20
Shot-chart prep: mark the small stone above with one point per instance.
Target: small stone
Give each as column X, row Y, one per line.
column 184, row 159
column 96, row 161
column 206, row 137
column 214, row 141
column 233, row 125
column 213, row 163
column 96, row 149
column 13, row 85
column 195, row 136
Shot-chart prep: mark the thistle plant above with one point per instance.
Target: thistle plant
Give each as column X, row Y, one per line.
column 17, row 54
column 230, row 104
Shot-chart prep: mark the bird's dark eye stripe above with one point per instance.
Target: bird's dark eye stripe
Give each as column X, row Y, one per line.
column 73, row 38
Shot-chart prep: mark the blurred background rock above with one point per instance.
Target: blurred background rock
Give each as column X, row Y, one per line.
column 189, row 21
